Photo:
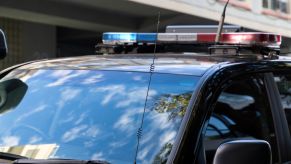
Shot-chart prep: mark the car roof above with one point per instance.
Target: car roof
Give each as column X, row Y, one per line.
column 184, row 64
column 174, row 63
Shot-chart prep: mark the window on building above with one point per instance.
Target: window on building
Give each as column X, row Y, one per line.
column 278, row 5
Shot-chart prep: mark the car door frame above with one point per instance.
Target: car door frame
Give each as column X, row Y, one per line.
column 279, row 114
column 189, row 139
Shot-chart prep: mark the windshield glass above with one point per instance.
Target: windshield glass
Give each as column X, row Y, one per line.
column 85, row 114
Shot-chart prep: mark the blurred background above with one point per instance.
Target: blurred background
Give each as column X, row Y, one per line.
column 38, row 29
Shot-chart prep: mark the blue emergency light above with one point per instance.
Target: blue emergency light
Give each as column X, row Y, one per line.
column 146, row 37
column 121, row 38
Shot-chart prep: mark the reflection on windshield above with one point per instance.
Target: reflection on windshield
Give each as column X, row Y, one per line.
column 42, row 151
column 236, row 101
column 84, row 114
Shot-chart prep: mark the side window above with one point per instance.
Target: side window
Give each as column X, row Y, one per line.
column 284, row 86
column 241, row 112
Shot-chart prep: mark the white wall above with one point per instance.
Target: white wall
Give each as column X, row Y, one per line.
column 212, row 9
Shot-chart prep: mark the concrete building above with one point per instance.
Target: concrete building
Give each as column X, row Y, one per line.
column 55, row 28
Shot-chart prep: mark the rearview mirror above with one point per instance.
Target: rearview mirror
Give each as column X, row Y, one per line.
column 243, row 151
column 3, row 45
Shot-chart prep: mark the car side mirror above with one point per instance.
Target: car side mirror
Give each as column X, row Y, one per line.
column 3, row 45
column 243, row 151
column 12, row 92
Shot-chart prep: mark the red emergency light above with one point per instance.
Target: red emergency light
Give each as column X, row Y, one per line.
column 245, row 38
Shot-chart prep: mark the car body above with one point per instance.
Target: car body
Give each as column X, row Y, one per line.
column 98, row 108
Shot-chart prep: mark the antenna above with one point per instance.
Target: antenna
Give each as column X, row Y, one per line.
column 152, row 68
column 220, row 27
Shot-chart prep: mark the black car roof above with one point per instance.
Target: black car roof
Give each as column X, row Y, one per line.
column 186, row 64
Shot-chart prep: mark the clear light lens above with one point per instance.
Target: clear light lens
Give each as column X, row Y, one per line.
column 167, row 37
column 185, row 37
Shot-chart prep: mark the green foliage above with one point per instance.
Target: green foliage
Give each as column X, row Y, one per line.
column 162, row 156
column 176, row 105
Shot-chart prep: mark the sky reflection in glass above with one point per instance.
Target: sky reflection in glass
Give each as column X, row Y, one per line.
column 96, row 114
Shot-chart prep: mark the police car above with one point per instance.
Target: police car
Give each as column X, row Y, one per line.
column 172, row 97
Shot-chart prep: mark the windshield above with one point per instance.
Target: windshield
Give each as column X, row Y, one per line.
column 85, row 114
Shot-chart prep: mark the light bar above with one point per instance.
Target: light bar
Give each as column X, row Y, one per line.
column 240, row 38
